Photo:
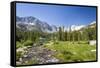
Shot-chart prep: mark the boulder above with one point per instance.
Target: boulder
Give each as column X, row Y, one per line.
column 92, row 42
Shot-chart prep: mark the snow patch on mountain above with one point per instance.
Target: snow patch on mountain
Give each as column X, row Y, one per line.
column 74, row 27
column 93, row 22
column 77, row 27
column 32, row 23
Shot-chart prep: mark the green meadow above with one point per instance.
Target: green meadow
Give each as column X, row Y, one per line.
column 72, row 51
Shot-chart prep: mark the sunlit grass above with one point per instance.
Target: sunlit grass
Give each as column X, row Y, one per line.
column 72, row 51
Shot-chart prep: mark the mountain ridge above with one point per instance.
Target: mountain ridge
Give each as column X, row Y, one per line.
column 32, row 23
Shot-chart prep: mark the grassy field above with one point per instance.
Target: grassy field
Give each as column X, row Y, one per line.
column 64, row 51
column 72, row 51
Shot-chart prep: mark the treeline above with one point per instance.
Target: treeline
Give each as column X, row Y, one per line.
column 30, row 37
column 27, row 35
column 84, row 34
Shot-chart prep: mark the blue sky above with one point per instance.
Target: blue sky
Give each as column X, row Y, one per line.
column 58, row 15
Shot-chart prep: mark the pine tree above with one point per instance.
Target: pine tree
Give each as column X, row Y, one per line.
column 60, row 33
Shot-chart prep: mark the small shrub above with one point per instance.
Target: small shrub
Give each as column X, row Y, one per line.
column 83, row 42
column 67, row 55
column 18, row 45
column 28, row 43
column 56, row 42
column 18, row 55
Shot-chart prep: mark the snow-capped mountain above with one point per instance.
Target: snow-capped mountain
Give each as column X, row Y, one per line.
column 74, row 27
column 32, row 23
column 94, row 22
column 79, row 27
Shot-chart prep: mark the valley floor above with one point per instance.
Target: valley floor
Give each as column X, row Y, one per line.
column 58, row 52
